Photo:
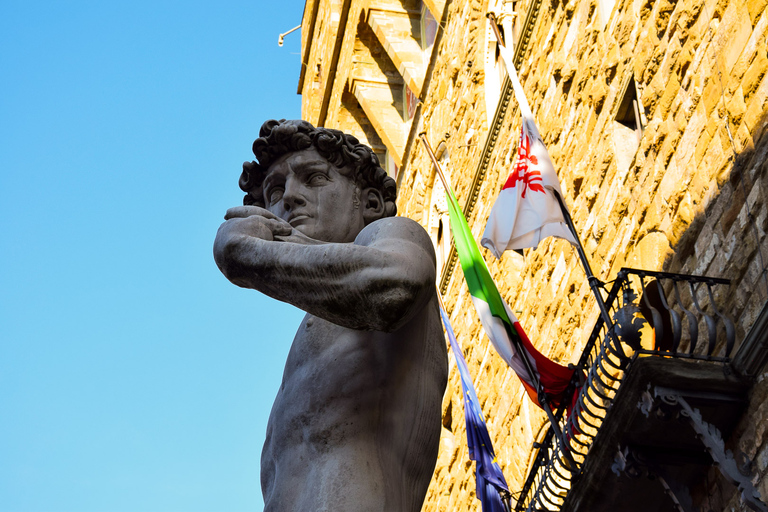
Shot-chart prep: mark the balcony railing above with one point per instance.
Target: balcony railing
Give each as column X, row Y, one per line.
column 654, row 314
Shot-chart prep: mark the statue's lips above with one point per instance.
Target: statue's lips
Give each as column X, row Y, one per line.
column 297, row 219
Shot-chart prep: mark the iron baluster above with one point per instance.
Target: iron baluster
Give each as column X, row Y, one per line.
column 730, row 330
column 658, row 324
column 693, row 323
column 677, row 326
column 711, row 324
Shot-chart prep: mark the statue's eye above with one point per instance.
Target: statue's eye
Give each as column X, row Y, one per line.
column 317, row 179
column 275, row 194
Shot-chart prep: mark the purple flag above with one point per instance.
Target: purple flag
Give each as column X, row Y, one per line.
column 489, row 478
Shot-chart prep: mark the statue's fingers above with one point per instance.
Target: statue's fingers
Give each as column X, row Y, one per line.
column 248, row 211
column 280, row 227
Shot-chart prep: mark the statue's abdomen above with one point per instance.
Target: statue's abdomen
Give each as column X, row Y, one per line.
column 359, row 409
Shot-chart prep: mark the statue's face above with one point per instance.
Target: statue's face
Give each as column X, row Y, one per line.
column 304, row 189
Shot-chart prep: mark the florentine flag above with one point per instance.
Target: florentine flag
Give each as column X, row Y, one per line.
column 489, row 479
column 526, row 210
column 500, row 324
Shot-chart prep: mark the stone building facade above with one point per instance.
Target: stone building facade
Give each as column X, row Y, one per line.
column 655, row 114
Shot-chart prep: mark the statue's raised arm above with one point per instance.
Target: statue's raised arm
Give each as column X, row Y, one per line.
column 375, row 283
column 359, row 406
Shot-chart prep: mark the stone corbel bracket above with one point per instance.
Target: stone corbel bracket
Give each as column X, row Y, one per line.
column 631, row 463
column 662, row 400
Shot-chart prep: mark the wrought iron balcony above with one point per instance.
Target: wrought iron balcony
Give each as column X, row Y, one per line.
column 668, row 346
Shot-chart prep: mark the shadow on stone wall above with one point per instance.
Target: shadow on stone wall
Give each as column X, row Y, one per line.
column 727, row 237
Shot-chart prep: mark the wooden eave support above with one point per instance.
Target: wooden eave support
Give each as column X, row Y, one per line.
column 341, row 60
column 378, row 104
column 394, row 31
column 435, row 7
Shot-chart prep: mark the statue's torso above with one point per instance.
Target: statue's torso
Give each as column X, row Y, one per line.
column 356, row 423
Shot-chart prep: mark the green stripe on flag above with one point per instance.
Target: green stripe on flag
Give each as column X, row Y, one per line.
column 475, row 270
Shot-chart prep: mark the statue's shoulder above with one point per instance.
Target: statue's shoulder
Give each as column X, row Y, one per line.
column 400, row 229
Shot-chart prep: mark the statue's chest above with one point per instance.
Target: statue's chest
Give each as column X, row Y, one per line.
column 321, row 347
column 319, row 343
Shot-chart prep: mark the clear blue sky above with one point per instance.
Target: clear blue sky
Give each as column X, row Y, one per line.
column 133, row 376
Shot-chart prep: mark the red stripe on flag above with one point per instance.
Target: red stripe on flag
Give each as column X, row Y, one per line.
column 553, row 376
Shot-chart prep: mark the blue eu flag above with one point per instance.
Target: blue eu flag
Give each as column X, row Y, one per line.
column 490, row 480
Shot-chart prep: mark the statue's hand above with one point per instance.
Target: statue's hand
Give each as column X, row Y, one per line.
column 233, row 249
column 253, row 221
column 278, row 229
column 239, row 245
column 234, row 240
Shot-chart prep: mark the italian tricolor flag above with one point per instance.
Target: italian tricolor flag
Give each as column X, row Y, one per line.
column 500, row 324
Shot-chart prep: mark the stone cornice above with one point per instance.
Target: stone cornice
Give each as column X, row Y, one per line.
column 531, row 16
column 306, row 48
column 343, row 20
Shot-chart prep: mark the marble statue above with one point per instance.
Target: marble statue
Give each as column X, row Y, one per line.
column 356, row 423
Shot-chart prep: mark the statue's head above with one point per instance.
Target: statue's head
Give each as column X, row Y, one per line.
column 324, row 182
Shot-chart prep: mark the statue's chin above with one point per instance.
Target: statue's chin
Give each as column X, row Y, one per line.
column 306, row 229
column 305, row 226
column 316, row 231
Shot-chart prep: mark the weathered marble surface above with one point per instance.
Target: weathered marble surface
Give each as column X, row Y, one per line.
column 356, row 423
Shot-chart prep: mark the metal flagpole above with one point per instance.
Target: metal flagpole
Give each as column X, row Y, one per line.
column 594, row 282
column 514, row 339
column 506, row 499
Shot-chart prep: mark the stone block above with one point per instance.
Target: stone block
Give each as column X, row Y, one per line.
column 743, row 140
column 756, row 10
column 715, row 158
column 754, row 75
column 702, row 145
column 712, row 94
column 690, row 138
column 731, row 36
column 668, row 96
column 754, row 48
column 736, row 108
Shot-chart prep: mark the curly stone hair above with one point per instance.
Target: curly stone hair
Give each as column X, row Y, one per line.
column 344, row 151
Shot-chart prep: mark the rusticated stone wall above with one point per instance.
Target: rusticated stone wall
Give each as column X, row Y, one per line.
column 688, row 196
column 675, row 201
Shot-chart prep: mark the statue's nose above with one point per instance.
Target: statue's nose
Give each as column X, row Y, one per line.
column 292, row 197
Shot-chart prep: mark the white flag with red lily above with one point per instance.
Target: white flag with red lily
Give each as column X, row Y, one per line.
column 526, row 210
